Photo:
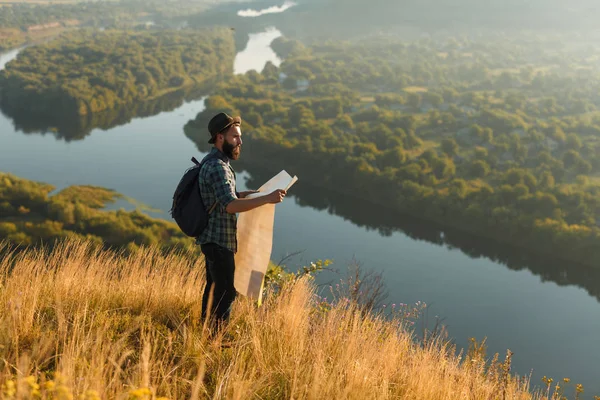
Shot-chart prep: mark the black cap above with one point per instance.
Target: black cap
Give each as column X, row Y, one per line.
column 219, row 123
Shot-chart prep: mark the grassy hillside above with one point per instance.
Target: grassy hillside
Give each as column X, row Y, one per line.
column 82, row 323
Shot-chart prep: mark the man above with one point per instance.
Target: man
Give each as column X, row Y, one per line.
column 218, row 241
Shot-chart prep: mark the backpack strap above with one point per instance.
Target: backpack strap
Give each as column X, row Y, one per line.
column 212, row 208
column 199, row 165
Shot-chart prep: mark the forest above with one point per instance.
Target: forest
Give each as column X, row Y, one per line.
column 22, row 22
column 86, row 72
column 96, row 13
column 31, row 215
column 497, row 137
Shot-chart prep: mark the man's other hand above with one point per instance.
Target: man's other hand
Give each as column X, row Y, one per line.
column 276, row 196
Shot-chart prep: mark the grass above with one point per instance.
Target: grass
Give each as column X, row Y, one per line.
column 83, row 323
column 13, row 38
column 415, row 89
column 9, row 32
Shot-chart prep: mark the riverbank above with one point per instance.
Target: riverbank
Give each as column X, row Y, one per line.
column 136, row 333
column 12, row 38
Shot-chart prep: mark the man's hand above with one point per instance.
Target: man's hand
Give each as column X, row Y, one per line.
column 242, row 205
column 276, row 196
column 243, row 195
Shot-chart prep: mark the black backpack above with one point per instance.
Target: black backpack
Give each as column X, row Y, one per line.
column 188, row 210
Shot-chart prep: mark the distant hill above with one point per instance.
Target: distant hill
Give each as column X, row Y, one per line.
column 351, row 17
column 346, row 19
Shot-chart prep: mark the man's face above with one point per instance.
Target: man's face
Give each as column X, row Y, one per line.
column 232, row 142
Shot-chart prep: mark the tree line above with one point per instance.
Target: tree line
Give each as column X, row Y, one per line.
column 86, row 72
column 22, row 22
column 461, row 132
column 94, row 13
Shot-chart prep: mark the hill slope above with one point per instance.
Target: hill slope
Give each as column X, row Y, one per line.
column 93, row 323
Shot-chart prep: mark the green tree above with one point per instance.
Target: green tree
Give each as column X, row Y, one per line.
column 479, row 169
column 443, row 168
column 573, row 142
column 414, row 101
column 547, row 180
column 394, row 157
column 449, row 146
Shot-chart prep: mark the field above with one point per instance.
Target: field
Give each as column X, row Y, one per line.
column 415, row 89
column 83, row 322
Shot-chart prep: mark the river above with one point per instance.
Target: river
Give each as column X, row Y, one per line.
column 545, row 313
column 271, row 10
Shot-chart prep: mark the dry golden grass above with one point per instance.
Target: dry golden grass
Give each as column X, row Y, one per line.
column 9, row 32
column 83, row 323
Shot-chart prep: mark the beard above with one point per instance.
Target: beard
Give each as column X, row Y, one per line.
column 231, row 151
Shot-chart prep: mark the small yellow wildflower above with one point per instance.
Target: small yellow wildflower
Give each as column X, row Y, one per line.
column 9, row 389
column 140, row 393
column 58, row 388
column 91, row 395
column 63, row 393
column 579, row 388
column 547, row 381
column 34, row 387
column 566, row 380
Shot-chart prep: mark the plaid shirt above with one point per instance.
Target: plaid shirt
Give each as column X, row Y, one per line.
column 217, row 184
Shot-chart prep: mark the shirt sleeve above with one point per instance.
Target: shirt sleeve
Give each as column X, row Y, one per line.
column 223, row 182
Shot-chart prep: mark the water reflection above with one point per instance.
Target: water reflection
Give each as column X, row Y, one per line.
column 318, row 191
column 70, row 126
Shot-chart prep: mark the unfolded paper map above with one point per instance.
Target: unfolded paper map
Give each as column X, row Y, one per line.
column 255, row 240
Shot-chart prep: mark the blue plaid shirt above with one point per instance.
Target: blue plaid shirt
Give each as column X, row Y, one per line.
column 217, row 184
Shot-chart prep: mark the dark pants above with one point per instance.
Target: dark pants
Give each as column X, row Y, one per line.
column 220, row 267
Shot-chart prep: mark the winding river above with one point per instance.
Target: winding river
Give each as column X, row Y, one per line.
column 548, row 315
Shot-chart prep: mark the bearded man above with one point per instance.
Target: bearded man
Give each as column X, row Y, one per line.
column 218, row 241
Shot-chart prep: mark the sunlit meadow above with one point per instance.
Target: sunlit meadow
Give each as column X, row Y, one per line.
column 79, row 322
